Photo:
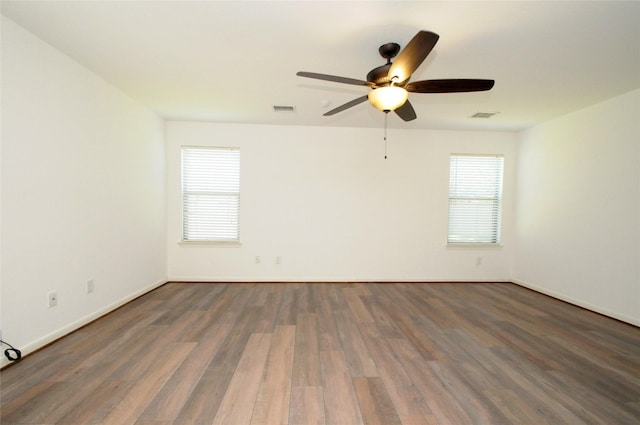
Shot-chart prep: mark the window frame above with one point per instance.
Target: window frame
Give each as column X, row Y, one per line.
column 494, row 214
column 186, row 236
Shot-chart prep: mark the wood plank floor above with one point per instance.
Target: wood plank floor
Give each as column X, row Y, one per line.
column 344, row 354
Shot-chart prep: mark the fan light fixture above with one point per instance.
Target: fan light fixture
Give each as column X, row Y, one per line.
column 389, row 83
column 388, row 98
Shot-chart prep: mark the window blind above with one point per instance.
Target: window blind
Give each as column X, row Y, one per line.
column 475, row 199
column 211, row 194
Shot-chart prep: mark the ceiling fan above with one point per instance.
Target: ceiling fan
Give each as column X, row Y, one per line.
column 390, row 82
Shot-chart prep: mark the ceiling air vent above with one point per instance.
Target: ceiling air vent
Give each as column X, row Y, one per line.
column 483, row 114
column 282, row 108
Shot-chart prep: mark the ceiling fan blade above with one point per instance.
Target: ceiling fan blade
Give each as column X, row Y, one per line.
column 334, row 78
column 449, row 86
column 413, row 54
column 347, row 105
column 406, row 112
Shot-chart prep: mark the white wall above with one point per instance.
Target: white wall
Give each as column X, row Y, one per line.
column 327, row 202
column 578, row 211
column 83, row 193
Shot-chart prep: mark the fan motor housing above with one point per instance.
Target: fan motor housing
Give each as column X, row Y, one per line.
column 380, row 75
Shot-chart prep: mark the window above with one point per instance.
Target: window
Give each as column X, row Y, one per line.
column 210, row 194
column 475, row 198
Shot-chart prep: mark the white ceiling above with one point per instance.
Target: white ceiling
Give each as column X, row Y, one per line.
column 231, row 61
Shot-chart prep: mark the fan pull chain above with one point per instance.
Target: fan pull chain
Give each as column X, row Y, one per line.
column 385, row 134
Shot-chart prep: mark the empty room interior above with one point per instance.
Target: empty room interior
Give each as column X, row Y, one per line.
column 314, row 213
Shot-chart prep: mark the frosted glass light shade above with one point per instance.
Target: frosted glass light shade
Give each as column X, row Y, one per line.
column 388, row 98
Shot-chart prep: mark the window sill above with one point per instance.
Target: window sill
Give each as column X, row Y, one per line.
column 226, row 244
column 475, row 245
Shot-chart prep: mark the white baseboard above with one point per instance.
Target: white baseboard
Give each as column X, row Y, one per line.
column 48, row 339
column 580, row 303
column 316, row 279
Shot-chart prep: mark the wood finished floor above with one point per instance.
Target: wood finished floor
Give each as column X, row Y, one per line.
column 348, row 354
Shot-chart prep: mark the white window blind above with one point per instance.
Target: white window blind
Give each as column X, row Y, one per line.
column 475, row 199
column 210, row 194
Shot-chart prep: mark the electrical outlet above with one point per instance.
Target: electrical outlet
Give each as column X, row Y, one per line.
column 90, row 286
column 257, row 259
column 278, row 260
column 53, row 298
